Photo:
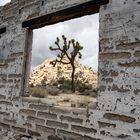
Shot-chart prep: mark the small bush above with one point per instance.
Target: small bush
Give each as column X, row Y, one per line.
column 55, row 84
column 44, row 80
column 88, row 87
column 38, row 92
column 65, row 86
column 52, row 90
column 62, row 83
column 61, row 80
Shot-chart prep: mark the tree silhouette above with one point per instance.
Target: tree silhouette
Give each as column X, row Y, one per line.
column 70, row 49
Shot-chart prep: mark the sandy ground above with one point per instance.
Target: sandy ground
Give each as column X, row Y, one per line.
column 72, row 100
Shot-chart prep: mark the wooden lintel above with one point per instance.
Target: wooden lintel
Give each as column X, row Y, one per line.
column 87, row 8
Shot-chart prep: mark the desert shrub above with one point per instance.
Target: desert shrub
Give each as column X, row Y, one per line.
column 81, row 87
column 62, row 83
column 61, row 80
column 44, row 80
column 55, row 84
column 65, row 85
column 87, row 86
column 38, row 92
column 52, row 90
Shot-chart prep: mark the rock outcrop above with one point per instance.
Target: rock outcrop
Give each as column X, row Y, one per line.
column 83, row 73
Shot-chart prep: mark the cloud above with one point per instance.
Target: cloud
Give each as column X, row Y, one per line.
column 84, row 30
column 3, row 2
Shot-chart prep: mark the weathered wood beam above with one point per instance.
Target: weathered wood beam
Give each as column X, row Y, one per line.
column 87, row 8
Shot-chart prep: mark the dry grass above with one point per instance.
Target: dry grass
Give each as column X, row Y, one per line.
column 38, row 92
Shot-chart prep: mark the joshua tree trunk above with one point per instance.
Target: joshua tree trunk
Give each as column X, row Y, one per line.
column 72, row 77
column 64, row 51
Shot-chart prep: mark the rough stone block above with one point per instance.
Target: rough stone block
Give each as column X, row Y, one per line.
column 91, row 138
column 38, row 107
column 45, row 129
column 54, row 138
column 27, row 112
column 33, row 133
column 111, row 56
column 83, row 129
column 19, row 129
column 105, row 124
column 35, row 120
column 47, row 115
column 4, row 126
column 69, row 135
column 117, row 117
column 70, row 119
column 56, row 124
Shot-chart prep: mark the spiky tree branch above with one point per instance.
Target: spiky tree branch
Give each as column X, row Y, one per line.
column 70, row 49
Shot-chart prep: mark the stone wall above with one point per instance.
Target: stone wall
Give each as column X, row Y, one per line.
column 118, row 110
column 119, row 57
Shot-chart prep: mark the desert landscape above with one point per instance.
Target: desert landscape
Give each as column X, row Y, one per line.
column 54, row 84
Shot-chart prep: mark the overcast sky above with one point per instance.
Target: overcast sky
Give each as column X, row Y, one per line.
column 84, row 30
column 3, row 2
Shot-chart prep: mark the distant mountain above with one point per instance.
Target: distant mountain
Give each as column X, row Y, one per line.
column 83, row 73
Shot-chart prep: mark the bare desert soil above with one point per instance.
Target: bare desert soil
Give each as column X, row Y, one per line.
column 72, row 100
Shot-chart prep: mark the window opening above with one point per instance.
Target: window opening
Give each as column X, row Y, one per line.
column 54, row 83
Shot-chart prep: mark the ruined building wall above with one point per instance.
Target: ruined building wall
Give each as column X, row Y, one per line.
column 119, row 57
column 118, row 110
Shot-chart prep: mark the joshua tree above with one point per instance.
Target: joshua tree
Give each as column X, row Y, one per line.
column 70, row 49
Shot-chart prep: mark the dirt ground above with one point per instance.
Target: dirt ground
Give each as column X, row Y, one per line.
column 73, row 100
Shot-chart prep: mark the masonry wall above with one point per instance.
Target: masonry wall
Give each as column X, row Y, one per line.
column 117, row 114
column 119, row 57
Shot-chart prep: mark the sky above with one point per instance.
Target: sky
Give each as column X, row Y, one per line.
column 84, row 30
column 3, row 2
